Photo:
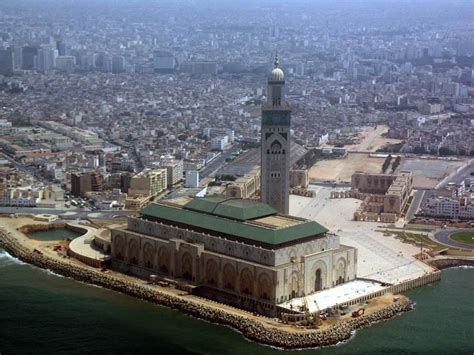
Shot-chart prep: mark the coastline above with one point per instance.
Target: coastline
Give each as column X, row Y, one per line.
column 252, row 329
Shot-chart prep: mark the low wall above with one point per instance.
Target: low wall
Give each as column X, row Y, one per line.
column 251, row 328
column 84, row 259
column 76, row 228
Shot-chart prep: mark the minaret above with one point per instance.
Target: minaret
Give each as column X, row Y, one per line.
column 275, row 141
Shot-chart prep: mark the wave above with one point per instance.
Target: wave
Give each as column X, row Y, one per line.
column 7, row 258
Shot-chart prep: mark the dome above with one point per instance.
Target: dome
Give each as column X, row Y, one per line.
column 277, row 75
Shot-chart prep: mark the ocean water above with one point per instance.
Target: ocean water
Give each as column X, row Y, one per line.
column 42, row 313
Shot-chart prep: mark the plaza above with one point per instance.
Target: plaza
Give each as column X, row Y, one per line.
column 381, row 258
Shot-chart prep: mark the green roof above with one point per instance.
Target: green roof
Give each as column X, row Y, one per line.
column 253, row 232
column 233, row 208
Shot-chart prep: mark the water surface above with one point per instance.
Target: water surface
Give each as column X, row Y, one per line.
column 55, row 234
column 42, row 313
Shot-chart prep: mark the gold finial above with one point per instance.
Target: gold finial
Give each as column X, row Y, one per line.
column 276, row 63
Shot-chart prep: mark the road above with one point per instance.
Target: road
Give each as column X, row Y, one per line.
column 415, row 204
column 442, row 237
column 460, row 175
column 210, row 168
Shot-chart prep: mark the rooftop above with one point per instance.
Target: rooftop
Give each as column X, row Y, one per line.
column 223, row 206
column 244, row 219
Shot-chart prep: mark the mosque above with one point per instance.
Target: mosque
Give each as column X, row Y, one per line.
column 247, row 253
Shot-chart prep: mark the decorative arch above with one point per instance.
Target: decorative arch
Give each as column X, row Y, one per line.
column 246, row 282
column 340, row 271
column 119, row 247
column 293, row 285
column 187, row 266
column 264, row 287
column 133, row 252
column 319, row 276
column 148, row 255
column 164, row 260
column 211, row 272
column 275, row 147
column 228, row 277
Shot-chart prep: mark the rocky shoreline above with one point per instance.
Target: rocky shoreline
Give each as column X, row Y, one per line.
column 250, row 328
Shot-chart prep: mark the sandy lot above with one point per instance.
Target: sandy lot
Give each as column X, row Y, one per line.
column 371, row 139
column 342, row 169
column 427, row 173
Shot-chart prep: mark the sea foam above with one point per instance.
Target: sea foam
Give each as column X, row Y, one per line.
column 8, row 259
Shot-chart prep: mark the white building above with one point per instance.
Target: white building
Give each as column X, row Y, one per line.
column 460, row 208
column 192, row 179
column 219, row 143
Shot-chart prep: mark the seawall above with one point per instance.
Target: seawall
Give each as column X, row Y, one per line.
column 249, row 327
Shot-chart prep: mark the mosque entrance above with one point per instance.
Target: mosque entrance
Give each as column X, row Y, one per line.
column 187, row 266
column 318, row 283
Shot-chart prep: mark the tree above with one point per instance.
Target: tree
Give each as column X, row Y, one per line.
column 419, row 150
column 396, row 163
column 445, row 151
column 386, row 163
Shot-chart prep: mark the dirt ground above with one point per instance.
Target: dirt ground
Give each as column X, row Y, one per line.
column 341, row 170
column 370, row 139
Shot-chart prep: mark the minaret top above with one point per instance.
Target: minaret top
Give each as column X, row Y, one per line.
column 276, row 63
column 277, row 74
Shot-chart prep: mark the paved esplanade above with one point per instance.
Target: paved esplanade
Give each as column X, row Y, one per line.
column 381, row 258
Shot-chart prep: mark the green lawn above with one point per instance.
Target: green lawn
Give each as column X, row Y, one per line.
column 417, row 238
column 463, row 237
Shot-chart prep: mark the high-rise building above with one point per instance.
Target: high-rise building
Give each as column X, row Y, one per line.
column 18, row 54
column 7, row 61
column 61, row 46
column 199, row 68
column 164, row 62
column 148, row 183
column 81, row 183
column 47, row 56
column 66, row 63
column 275, row 143
column 118, row 64
column 174, row 170
column 29, row 55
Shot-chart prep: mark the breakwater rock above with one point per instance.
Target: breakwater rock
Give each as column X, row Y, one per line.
column 447, row 263
column 250, row 327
